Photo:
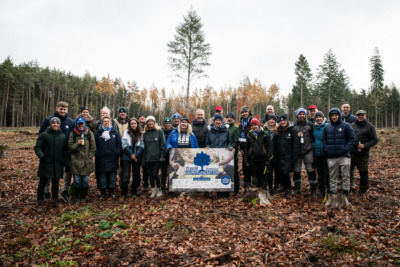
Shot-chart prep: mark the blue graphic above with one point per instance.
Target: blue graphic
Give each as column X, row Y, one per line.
column 225, row 180
column 202, row 160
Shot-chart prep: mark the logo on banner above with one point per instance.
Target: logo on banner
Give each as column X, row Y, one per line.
column 202, row 160
column 225, row 180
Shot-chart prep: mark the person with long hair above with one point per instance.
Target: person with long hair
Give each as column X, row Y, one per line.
column 132, row 146
column 273, row 182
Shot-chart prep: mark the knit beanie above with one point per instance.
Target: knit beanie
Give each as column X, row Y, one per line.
column 55, row 119
column 255, row 120
column 167, row 119
column 319, row 114
column 230, row 114
column 150, row 118
column 142, row 115
column 123, row 109
column 245, row 109
column 273, row 116
column 282, row 118
column 184, row 118
column 218, row 116
column 300, row 110
column 176, row 115
column 84, row 108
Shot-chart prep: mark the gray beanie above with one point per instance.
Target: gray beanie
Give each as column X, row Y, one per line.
column 320, row 114
column 55, row 119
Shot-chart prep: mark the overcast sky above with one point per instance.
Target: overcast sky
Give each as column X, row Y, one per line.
column 260, row 39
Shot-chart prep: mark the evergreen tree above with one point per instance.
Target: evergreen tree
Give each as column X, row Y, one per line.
column 188, row 51
column 377, row 79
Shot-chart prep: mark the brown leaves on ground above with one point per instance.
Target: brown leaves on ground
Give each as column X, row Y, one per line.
column 198, row 229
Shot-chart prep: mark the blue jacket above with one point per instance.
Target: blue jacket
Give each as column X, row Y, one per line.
column 172, row 141
column 107, row 152
column 67, row 124
column 337, row 137
column 349, row 118
column 318, row 145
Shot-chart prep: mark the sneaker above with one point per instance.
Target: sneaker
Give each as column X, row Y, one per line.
column 159, row 192
column 154, row 193
column 124, row 196
column 133, row 195
column 112, row 195
column 102, row 196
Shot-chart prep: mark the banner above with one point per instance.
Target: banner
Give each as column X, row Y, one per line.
column 201, row 170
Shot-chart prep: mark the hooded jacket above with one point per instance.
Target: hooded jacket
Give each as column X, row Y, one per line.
column 173, row 138
column 258, row 147
column 154, row 145
column 89, row 122
column 218, row 137
column 286, row 148
column 337, row 137
column 200, row 130
column 365, row 134
column 318, row 145
column 107, row 152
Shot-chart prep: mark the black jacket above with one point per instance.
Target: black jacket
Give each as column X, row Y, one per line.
column 365, row 134
column 218, row 138
column 349, row 118
column 258, row 147
column 307, row 129
column 107, row 152
column 286, row 148
column 200, row 130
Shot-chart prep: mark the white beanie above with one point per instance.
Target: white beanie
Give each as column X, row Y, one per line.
column 150, row 118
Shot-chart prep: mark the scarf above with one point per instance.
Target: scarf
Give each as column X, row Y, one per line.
column 242, row 136
column 106, row 133
column 256, row 132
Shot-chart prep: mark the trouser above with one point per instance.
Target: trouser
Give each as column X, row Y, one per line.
column 145, row 177
column 362, row 165
column 67, row 179
column 285, row 179
column 336, row 164
column 152, row 170
column 127, row 167
column 236, row 174
column 270, row 177
column 321, row 163
column 81, row 181
column 259, row 178
column 111, row 177
column 164, row 172
column 42, row 184
column 247, row 173
column 308, row 161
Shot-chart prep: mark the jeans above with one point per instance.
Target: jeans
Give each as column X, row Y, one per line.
column 127, row 167
column 81, row 181
column 42, row 184
column 336, row 164
column 270, row 180
column 152, row 170
column 104, row 176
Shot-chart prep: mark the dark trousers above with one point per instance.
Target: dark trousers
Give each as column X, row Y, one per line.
column 128, row 167
column 145, row 177
column 270, row 178
column 321, row 163
column 257, row 171
column 362, row 165
column 285, row 179
column 42, row 185
column 236, row 174
column 164, row 172
column 246, row 173
column 152, row 170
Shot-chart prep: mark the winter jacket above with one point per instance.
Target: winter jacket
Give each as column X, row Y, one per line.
column 311, row 120
column 128, row 148
column 154, row 145
column 113, row 124
column 307, row 129
column 318, row 145
column 258, row 147
column 365, row 134
column 242, row 145
column 82, row 155
column 337, row 137
column 52, row 150
column 286, row 148
column 200, row 130
column 269, row 131
column 107, row 152
column 89, row 122
column 349, row 118
column 234, row 133
column 218, row 138
column 167, row 132
column 122, row 127
column 67, row 124
column 173, row 138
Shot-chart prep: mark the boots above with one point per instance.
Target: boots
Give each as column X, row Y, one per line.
column 124, row 193
column 313, row 189
column 84, row 192
column 111, row 193
column 54, row 202
column 345, row 200
column 288, row 193
column 40, row 206
column 297, row 187
column 159, row 192
column 77, row 195
column 329, row 200
column 153, row 192
column 102, row 193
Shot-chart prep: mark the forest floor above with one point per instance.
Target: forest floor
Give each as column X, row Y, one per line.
column 197, row 229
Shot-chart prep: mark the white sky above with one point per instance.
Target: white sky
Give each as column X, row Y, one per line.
column 261, row 39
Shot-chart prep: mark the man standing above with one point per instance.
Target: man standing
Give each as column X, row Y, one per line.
column 234, row 133
column 67, row 125
column 122, row 120
column 244, row 128
column 268, row 112
column 338, row 139
column 366, row 138
column 346, row 115
column 142, row 120
column 218, row 110
column 200, row 128
column 305, row 133
column 311, row 111
column 106, row 112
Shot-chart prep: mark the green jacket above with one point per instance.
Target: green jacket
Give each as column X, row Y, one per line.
column 52, row 150
column 154, row 145
column 234, row 132
column 82, row 156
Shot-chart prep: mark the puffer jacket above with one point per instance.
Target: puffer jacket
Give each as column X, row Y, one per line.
column 82, row 156
column 318, row 145
column 218, row 137
column 364, row 134
column 128, row 148
column 107, row 152
column 337, row 137
column 286, row 148
column 52, row 150
column 258, row 147
column 67, row 124
column 349, row 118
column 200, row 130
column 307, row 129
column 173, row 138
column 154, row 145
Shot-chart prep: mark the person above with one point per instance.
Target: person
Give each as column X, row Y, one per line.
column 88, row 118
column 244, row 128
column 268, row 112
column 286, row 151
column 145, row 176
column 270, row 127
column 105, row 112
column 132, row 149
column 338, row 139
column 82, row 147
column 167, row 129
column 306, row 154
column 320, row 159
column 234, row 134
column 219, row 137
column 218, row 110
column 311, row 111
column 346, row 114
column 182, row 137
column 154, row 153
column 200, row 128
column 108, row 150
column 66, row 126
column 142, row 120
column 365, row 138
column 258, row 153
column 51, row 148
column 176, row 119
column 122, row 120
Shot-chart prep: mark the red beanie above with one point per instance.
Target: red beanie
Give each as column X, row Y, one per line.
column 255, row 120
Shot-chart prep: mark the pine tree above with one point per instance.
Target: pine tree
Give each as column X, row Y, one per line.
column 188, row 51
column 377, row 79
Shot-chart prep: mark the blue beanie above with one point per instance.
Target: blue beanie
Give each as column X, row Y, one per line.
column 230, row 114
column 218, row 116
column 176, row 115
column 300, row 110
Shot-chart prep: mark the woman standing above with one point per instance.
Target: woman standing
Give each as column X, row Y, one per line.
column 286, row 150
column 182, row 137
column 108, row 149
column 132, row 146
column 154, row 153
column 270, row 126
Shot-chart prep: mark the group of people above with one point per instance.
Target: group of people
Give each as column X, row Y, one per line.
column 270, row 149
